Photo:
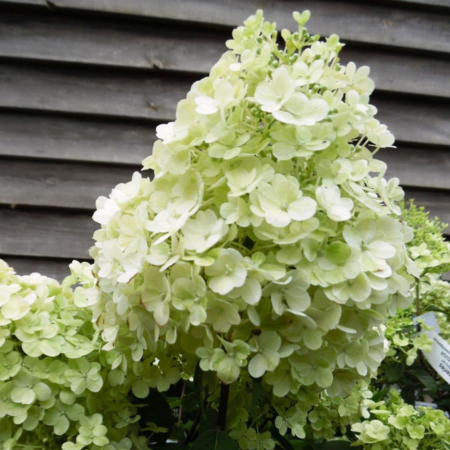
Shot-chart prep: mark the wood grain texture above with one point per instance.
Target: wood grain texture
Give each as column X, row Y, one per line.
column 417, row 120
column 440, row 3
column 99, row 41
column 82, row 91
column 42, row 233
column 428, row 3
column 151, row 47
column 53, row 268
column 73, row 138
column 55, row 184
column 366, row 22
column 418, row 167
column 435, row 201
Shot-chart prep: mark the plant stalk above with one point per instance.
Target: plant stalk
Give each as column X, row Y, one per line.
column 223, row 406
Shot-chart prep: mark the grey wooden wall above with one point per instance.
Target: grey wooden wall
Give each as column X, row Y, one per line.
column 83, row 83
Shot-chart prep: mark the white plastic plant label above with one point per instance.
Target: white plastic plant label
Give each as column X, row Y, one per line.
column 439, row 358
column 429, row 319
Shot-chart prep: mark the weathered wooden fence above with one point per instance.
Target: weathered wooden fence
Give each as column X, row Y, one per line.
column 83, row 83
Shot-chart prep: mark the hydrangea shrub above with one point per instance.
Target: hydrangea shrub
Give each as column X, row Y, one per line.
column 268, row 241
column 256, row 271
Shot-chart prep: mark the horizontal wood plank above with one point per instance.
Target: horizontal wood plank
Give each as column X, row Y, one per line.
column 69, row 90
column 54, row 184
column 73, row 138
column 415, row 121
column 102, row 42
column 111, row 43
column 154, row 97
column 418, row 167
column 366, row 22
column 428, row 3
column 50, row 234
column 53, row 268
column 436, row 202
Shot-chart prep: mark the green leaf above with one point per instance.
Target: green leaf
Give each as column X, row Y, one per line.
column 157, row 411
column 304, row 444
column 198, row 386
column 174, row 402
column 214, row 440
column 208, row 421
column 372, row 314
column 426, row 379
column 394, row 372
column 441, row 268
column 189, row 402
column 380, row 394
column 284, row 443
column 178, row 433
column 436, row 309
column 257, row 394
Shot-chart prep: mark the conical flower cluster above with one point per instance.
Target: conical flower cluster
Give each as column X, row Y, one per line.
column 268, row 240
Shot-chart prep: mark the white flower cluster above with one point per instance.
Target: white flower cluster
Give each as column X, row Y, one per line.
column 58, row 389
column 268, row 239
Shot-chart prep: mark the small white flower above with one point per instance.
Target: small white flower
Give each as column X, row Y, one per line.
column 272, row 95
column 281, row 202
column 125, row 192
column 227, row 272
column 300, row 110
column 167, row 222
column 336, row 208
column 223, row 98
column 375, row 251
column 304, row 73
column 204, row 231
column 107, row 209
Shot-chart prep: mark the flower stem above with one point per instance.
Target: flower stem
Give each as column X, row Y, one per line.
column 418, row 308
column 223, row 406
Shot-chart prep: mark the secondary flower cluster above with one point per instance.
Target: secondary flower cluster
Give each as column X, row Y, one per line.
column 53, row 375
column 396, row 424
column 268, row 240
column 404, row 366
column 431, row 253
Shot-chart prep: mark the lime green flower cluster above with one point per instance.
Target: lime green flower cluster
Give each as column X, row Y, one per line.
column 428, row 248
column 263, row 245
column 404, row 364
column 53, row 375
column 431, row 253
column 404, row 340
column 397, row 425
